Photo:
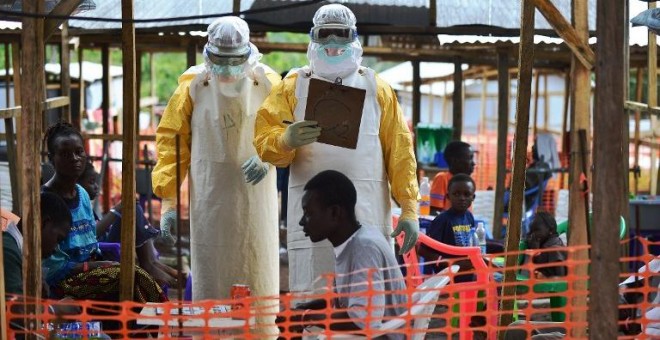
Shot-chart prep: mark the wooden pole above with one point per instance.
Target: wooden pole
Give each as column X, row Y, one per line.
column 3, row 307
column 503, row 88
column 105, row 107
column 525, row 65
column 580, row 120
column 653, row 101
column 33, row 90
column 152, row 90
column 431, row 103
column 129, row 153
column 546, row 103
column 65, row 75
column 191, row 54
column 609, row 174
column 11, row 144
column 457, row 104
column 638, row 116
column 564, row 120
column 484, row 99
column 16, row 77
column 572, row 37
column 537, row 78
column 416, row 94
column 81, row 88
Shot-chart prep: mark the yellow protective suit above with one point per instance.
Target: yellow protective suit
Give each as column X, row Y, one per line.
column 383, row 159
column 233, row 224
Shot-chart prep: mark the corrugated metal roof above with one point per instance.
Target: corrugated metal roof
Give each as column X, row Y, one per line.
column 155, row 9
column 499, row 13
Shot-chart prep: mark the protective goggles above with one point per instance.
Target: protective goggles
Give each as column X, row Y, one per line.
column 226, row 60
column 338, row 33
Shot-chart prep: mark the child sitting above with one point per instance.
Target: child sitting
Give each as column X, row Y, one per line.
column 543, row 235
column 453, row 226
column 108, row 229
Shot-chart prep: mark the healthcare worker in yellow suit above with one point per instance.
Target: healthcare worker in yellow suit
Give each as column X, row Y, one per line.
column 383, row 158
column 233, row 208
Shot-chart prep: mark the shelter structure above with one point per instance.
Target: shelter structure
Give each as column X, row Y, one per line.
column 393, row 30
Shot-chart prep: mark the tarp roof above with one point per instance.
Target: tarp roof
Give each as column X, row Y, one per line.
column 484, row 17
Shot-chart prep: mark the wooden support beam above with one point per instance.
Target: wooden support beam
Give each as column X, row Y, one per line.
column 116, row 138
column 16, row 78
column 641, row 107
column 33, row 91
column 525, row 65
column 65, row 75
column 77, row 121
column 129, row 152
column 652, row 69
column 563, row 28
column 191, row 54
column 105, row 107
column 608, row 173
column 3, row 306
column 564, row 121
column 50, row 103
column 416, row 94
column 579, row 164
column 503, row 89
column 12, row 155
column 63, row 8
column 535, row 117
column 638, row 116
column 457, row 101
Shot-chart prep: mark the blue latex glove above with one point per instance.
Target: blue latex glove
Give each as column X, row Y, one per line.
column 168, row 226
column 410, row 229
column 254, row 170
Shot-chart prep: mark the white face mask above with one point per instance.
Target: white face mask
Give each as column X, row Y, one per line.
column 334, row 60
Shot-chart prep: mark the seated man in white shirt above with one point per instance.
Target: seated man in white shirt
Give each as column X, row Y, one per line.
column 329, row 214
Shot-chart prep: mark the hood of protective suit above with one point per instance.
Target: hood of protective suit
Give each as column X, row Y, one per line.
column 228, row 37
column 333, row 59
column 332, row 66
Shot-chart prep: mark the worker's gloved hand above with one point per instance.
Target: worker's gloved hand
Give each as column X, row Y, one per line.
column 168, row 220
column 301, row 133
column 411, row 229
column 254, row 170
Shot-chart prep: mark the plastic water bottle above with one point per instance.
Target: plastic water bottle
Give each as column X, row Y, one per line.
column 425, row 192
column 480, row 233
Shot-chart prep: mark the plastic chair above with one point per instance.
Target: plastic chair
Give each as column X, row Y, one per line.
column 557, row 286
column 424, row 302
column 468, row 293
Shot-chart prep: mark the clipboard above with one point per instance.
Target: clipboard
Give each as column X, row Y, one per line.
column 338, row 110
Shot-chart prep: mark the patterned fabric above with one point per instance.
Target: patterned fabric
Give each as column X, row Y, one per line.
column 103, row 284
column 80, row 245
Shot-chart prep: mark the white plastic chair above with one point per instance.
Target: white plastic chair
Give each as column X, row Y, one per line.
column 424, row 302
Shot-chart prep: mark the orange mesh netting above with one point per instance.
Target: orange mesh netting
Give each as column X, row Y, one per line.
column 434, row 305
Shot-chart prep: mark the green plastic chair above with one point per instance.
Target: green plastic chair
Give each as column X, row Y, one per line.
column 559, row 285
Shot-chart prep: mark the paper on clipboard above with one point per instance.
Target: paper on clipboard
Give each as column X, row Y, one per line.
column 338, row 110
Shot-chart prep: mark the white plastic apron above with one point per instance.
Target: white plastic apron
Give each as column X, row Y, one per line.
column 364, row 166
column 233, row 225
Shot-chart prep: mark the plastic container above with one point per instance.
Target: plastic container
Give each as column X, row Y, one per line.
column 480, row 233
column 425, row 192
column 431, row 139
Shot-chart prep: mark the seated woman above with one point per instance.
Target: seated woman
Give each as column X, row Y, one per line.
column 77, row 268
column 108, row 229
column 543, row 235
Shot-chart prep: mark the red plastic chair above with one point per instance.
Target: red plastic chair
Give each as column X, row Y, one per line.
column 467, row 291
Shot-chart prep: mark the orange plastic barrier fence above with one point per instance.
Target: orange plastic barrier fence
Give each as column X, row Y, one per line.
column 431, row 309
